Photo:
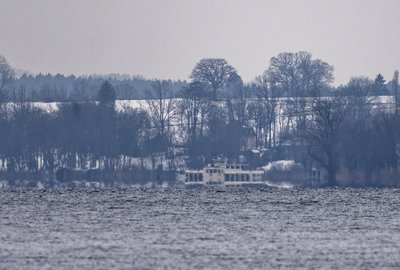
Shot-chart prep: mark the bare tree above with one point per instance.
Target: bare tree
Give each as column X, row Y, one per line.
column 132, row 132
column 237, row 99
column 6, row 75
column 215, row 71
column 359, row 86
column 333, row 123
column 194, row 111
column 264, row 110
column 358, row 91
column 297, row 74
column 106, row 125
column 234, row 86
column 193, row 108
column 395, row 85
column 162, row 110
column 323, row 132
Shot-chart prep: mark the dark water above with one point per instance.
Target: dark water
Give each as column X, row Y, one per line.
column 196, row 229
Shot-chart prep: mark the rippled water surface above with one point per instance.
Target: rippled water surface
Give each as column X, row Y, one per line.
column 196, row 229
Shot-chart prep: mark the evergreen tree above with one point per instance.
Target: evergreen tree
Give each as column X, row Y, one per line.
column 379, row 87
column 106, row 94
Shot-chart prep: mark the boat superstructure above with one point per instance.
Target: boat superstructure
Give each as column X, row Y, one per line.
column 223, row 174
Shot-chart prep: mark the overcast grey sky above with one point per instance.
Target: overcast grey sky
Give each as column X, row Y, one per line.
column 165, row 38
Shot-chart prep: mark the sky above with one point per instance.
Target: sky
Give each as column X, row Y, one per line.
column 165, row 38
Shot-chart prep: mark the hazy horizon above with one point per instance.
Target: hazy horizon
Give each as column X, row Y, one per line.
column 165, row 39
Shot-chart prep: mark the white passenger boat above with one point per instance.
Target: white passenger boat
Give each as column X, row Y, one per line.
column 222, row 174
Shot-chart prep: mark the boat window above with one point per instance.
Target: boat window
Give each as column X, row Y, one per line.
column 236, row 177
column 247, row 177
column 190, row 177
column 195, row 177
column 226, row 177
column 242, row 177
column 201, row 177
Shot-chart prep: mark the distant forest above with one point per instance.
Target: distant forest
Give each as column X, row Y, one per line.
column 291, row 111
column 58, row 88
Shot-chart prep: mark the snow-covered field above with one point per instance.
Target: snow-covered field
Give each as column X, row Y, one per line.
column 121, row 105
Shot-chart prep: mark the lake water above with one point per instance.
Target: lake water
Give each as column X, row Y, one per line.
column 197, row 229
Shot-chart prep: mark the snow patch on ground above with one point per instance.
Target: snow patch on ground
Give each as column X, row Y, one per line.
column 280, row 165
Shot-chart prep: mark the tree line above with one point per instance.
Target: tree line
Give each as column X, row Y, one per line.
column 292, row 110
column 61, row 88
